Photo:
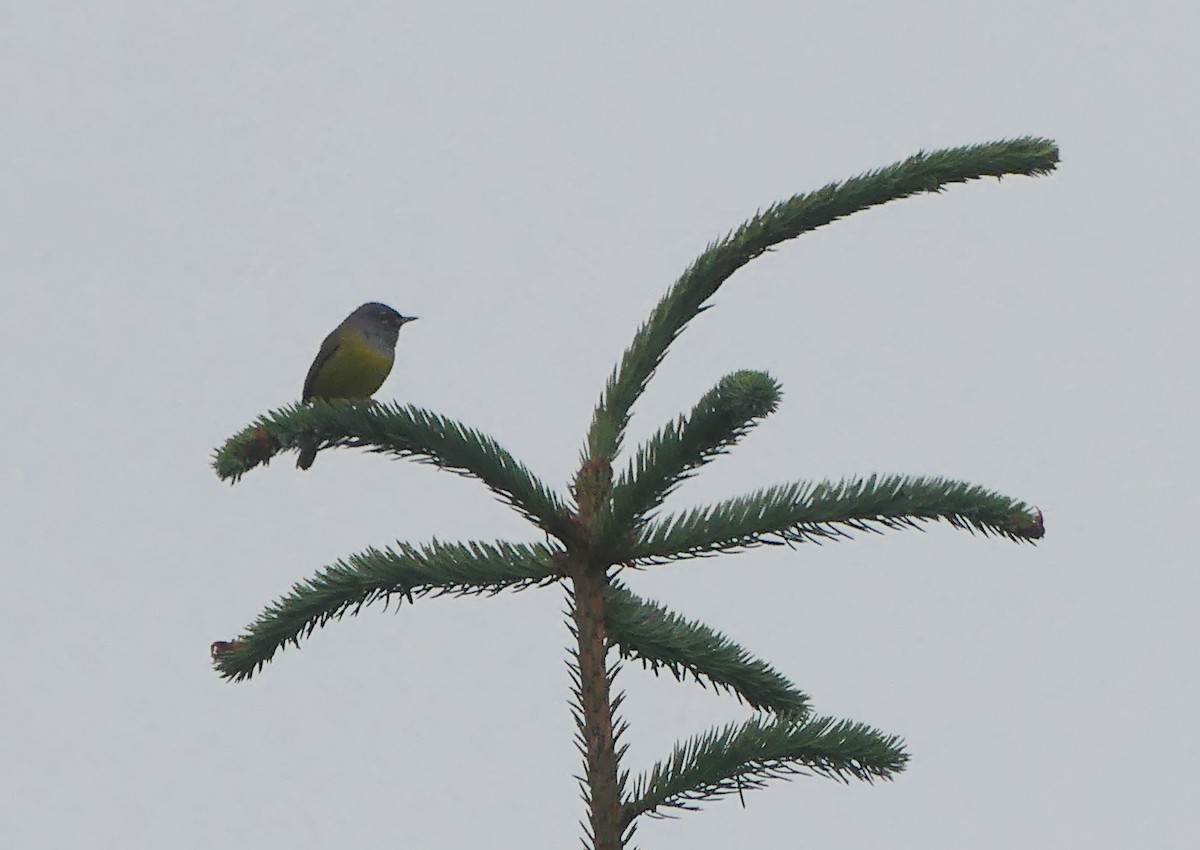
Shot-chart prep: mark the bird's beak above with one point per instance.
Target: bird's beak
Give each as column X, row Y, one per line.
column 404, row 320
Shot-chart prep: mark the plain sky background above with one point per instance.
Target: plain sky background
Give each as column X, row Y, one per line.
column 194, row 194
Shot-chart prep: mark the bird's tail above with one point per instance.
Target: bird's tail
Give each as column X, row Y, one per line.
column 308, row 454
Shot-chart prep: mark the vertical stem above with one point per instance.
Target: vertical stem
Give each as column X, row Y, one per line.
column 603, row 786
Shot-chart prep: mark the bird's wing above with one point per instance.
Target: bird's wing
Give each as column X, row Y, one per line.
column 328, row 347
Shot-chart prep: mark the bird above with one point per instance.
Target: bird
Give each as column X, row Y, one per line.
column 354, row 361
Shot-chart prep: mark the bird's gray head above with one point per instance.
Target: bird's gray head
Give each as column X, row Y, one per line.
column 383, row 314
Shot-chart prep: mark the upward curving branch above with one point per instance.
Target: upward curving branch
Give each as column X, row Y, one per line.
column 723, row 416
column 923, row 172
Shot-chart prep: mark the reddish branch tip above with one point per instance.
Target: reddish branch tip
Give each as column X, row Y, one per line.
column 258, row 447
column 1028, row 527
column 220, row 647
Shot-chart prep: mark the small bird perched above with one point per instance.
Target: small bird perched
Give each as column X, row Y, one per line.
column 354, row 360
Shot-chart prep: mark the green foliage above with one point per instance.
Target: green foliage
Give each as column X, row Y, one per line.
column 651, row 634
column 637, row 628
column 724, row 415
column 402, row 431
column 805, row 512
column 615, row 524
column 922, row 172
column 380, row 575
column 745, row 756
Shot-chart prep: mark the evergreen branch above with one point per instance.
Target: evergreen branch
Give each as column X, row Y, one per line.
column 403, row 431
column 722, row 417
column 923, row 172
column 649, row 633
column 404, row 571
column 747, row 756
column 804, row 512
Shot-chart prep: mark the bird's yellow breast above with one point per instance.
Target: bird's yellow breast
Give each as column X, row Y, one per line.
column 355, row 370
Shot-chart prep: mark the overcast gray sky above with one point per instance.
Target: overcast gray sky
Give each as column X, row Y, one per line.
column 194, row 194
